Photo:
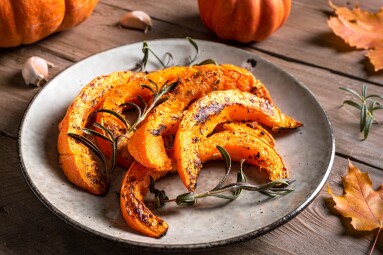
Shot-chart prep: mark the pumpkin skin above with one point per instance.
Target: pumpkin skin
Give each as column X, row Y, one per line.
column 27, row 21
column 218, row 107
column 244, row 20
column 75, row 159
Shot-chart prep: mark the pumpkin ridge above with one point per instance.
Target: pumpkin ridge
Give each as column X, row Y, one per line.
column 27, row 21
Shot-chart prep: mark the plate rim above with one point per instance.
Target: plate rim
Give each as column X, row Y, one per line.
column 178, row 247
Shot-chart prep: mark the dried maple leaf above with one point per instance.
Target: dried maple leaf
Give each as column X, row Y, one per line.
column 360, row 29
column 376, row 57
column 360, row 201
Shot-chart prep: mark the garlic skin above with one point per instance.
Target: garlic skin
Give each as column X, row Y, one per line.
column 137, row 20
column 35, row 71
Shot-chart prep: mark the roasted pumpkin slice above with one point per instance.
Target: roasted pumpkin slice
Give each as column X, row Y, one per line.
column 219, row 107
column 250, row 128
column 242, row 145
column 134, row 211
column 75, row 158
column 239, row 145
column 130, row 93
column 147, row 146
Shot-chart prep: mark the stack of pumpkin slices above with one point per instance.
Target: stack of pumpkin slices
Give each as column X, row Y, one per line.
column 210, row 105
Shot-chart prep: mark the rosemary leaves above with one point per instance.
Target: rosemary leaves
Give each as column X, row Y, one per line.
column 229, row 191
column 367, row 108
column 158, row 98
column 167, row 59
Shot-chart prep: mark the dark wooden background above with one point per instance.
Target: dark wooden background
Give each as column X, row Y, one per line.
column 304, row 47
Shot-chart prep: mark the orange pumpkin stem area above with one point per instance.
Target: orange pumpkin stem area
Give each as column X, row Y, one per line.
column 212, row 105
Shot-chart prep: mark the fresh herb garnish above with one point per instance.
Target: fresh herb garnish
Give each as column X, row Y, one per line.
column 367, row 108
column 141, row 66
column 168, row 57
column 108, row 168
column 195, row 45
column 273, row 189
column 158, row 98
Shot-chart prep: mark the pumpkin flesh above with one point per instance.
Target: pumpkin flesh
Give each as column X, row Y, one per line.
column 75, row 159
column 146, row 145
column 134, row 211
column 248, row 143
column 219, row 107
column 241, row 145
column 130, row 93
column 250, row 128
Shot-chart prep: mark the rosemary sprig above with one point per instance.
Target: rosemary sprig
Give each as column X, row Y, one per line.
column 195, row 45
column 207, row 62
column 367, row 108
column 93, row 147
column 88, row 143
column 158, row 98
column 160, row 195
column 168, row 57
column 115, row 114
column 146, row 50
column 273, row 189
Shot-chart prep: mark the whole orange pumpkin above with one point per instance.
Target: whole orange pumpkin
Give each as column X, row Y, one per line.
column 27, row 21
column 244, row 20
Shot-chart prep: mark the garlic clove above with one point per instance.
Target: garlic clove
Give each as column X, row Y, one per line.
column 35, row 71
column 137, row 20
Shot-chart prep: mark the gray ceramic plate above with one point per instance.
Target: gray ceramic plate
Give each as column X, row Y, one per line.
column 308, row 154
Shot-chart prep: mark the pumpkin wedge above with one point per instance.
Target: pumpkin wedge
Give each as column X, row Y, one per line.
column 134, row 211
column 219, row 107
column 242, row 145
column 238, row 144
column 146, row 145
column 250, row 128
column 130, row 93
column 75, row 159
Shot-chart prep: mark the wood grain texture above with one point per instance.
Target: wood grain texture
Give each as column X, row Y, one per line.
column 305, row 38
column 109, row 34
column 15, row 94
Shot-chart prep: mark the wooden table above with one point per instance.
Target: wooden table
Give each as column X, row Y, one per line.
column 304, row 47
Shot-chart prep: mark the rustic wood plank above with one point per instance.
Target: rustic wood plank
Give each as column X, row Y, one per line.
column 28, row 227
column 305, row 37
column 85, row 40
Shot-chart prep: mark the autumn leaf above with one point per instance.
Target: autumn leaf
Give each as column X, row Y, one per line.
column 376, row 58
column 360, row 201
column 360, row 29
